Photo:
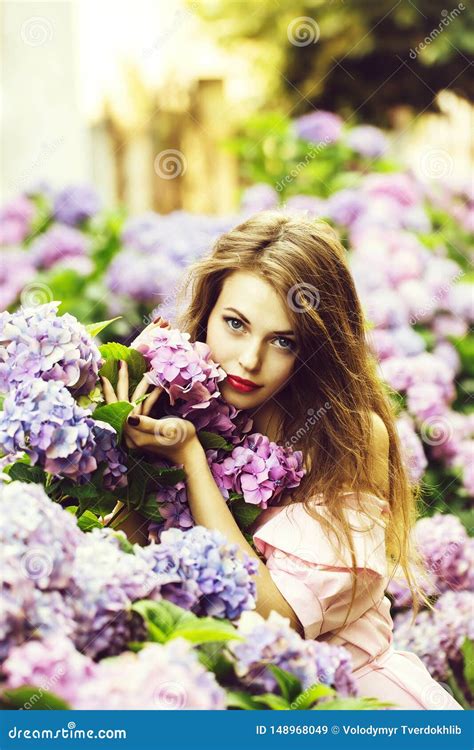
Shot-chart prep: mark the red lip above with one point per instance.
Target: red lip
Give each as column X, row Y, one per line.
column 240, row 384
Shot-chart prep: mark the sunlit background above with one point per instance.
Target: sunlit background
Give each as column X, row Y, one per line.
column 95, row 90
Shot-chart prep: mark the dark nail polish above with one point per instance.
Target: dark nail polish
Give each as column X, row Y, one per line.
column 120, row 363
column 157, row 320
column 133, row 421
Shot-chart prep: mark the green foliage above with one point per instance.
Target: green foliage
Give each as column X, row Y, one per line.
column 115, row 415
column 114, row 352
column 211, row 440
column 468, row 653
column 351, row 57
column 166, row 621
column 32, row 697
column 95, row 328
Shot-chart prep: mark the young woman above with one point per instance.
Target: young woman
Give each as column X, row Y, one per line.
column 277, row 306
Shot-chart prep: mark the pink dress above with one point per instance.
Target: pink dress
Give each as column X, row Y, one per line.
column 312, row 579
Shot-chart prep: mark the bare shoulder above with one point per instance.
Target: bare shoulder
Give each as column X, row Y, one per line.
column 379, row 451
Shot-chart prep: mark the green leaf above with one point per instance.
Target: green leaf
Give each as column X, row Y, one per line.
column 114, row 414
column 352, row 704
column 161, row 617
column 149, row 509
column 239, row 699
column 244, row 513
column 213, row 657
column 275, row 702
column 468, row 653
column 206, row 629
column 93, row 329
column 31, row 697
column 88, row 521
column 2, row 399
column 136, row 362
column 25, row 473
column 289, row 685
column 210, row 440
column 309, row 696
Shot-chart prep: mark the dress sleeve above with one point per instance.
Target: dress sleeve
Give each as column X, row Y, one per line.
column 314, row 577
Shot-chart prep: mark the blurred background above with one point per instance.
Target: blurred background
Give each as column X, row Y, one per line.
column 134, row 133
column 96, row 91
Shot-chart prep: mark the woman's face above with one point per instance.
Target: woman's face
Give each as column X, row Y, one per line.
column 250, row 335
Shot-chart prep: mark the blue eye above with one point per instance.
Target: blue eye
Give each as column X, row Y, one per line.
column 289, row 344
column 230, row 321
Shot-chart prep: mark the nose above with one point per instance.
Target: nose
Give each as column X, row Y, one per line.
column 250, row 357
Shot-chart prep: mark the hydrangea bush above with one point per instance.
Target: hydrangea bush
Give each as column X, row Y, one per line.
column 90, row 621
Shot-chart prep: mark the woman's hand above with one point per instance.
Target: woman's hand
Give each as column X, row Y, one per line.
column 170, row 437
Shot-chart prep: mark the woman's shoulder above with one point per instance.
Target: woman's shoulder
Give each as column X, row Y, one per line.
column 297, row 529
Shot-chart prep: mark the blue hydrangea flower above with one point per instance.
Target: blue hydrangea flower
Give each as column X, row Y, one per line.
column 199, row 570
column 42, row 419
column 273, row 641
column 36, row 342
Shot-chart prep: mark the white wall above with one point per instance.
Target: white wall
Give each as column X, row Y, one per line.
column 43, row 132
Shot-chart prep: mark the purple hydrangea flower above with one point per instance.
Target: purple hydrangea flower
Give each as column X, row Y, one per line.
column 259, row 197
column 185, row 370
column 143, row 278
column 37, row 342
column 104, row 582
column 260, row 470
column 38, row 533
column 219, row 417
column 401, row 373
column 75, row 204
column 158, row 677
column 65, row 245
column 15, row 220
column 107, row 452
column 319, row 127
column 397, row 186
column 345, row 206
column 52, row 664
column 41, row 418
column 447, row 553
column 38, row 541
column 172, row 503
column 273, row 641
column 368, row 141
column 437, row 636
column 200, row 571
column 446, row 549
column 16, row 272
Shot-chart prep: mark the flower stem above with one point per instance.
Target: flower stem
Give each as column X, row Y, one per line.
column 457, row 692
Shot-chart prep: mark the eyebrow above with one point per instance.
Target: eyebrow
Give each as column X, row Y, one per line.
column 277, row 333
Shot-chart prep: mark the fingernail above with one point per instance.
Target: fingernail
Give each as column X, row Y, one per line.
column 133, row 421
column 157, row 320
column 164, row 323
column 120, row 363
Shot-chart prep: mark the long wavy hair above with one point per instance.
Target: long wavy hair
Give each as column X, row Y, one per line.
column 335, row 375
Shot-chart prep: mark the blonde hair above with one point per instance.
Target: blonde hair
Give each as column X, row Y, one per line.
column 305, row 262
